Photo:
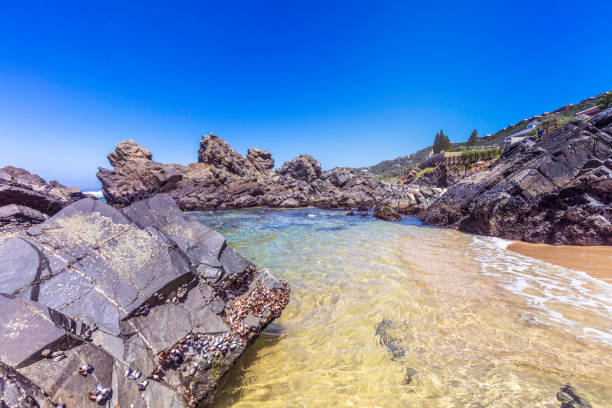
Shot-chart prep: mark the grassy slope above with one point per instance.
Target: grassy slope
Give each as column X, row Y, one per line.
column 387, row 171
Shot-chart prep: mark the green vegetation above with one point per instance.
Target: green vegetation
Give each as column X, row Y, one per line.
column 441, row 143
column 422, row 172
column 605, row 101
column 477, row 155
column 390, row 179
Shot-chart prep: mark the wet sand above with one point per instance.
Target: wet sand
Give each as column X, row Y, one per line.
column 595, row 260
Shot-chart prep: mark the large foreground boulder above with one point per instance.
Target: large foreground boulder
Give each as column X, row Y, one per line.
column 139, row 307
column 555, row 190
column 222, row 179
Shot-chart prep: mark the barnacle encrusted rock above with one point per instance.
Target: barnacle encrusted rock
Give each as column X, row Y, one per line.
column 145, row 288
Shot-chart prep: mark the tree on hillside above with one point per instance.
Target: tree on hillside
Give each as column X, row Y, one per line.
column 473, row 138
column 441, row 143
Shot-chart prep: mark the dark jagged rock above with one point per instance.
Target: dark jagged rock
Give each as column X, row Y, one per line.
column 141, row 288
column 215, row 152
column 18, row 186
column 260, row 159
column 555, row 190
column 442, row 176
column 304, row 167
column 26, row 199
column 134, row 163
column 224, row 179
column 387, row 213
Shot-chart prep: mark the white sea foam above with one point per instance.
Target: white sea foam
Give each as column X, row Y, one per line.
column 94, row 193
column 543, row 284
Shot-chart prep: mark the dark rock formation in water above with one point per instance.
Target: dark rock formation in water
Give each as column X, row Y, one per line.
column 387, row 213
column 222, row 178
column 555, row 190
column 139, row 307
column 570, row 399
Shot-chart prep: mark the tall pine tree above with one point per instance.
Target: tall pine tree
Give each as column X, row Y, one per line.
column 445, row 142
column 473, row 138
column 436, row 144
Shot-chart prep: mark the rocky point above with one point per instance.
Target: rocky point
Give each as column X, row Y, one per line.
column 222, row 179
column 139, row 307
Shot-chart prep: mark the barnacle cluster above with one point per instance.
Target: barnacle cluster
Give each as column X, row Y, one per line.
column 264, row 303
column 235, row 285
column 199, row 348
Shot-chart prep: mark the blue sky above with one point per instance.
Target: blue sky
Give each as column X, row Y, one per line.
column 350, row 82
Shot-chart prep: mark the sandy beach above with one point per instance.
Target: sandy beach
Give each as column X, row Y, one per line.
column 595, row 260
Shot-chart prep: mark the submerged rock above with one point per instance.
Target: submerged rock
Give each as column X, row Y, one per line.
column 556, row 190
column 387, row 213
column 122, row 291
column 570, row 399
column 387, row 332
column 222, row 179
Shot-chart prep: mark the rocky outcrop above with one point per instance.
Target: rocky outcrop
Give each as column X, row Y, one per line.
column 442, row 176
column 133, row 162
column 143, row 307
column 216, row 153
column 18, row 186
column 387, row 213
column 224, row 179
column 304, row 167
column 555, row 190
column 26, row 199
column 260, row 159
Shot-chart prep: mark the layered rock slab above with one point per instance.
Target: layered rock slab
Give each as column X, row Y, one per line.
column 556, row 190
column 119, row 289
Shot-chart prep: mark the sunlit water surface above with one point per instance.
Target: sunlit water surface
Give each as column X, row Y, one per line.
column 375, row 302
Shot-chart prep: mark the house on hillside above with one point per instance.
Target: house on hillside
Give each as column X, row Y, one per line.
column 518, row 136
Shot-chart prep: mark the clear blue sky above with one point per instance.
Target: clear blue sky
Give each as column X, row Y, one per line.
column 350, row 82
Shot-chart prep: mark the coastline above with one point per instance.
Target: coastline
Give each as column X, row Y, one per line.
column 594, row 260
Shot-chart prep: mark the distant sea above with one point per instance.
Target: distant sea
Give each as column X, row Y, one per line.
column 98, row 194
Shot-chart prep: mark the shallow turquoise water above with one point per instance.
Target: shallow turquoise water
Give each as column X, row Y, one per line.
column 399, row 314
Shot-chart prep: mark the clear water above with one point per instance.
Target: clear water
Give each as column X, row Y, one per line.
column 402, row 315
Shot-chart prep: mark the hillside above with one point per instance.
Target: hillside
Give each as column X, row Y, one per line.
column 390, row 170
